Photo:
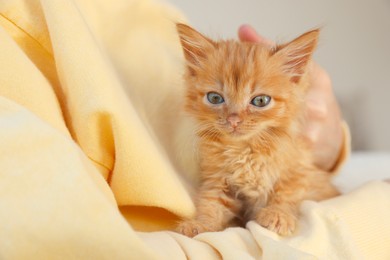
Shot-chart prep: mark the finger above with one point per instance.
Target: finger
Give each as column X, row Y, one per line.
column 316, row 108
column 312, row 133
column 247, row 33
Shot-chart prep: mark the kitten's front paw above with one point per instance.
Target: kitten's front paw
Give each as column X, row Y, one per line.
column 191, row 228
column 277, row 220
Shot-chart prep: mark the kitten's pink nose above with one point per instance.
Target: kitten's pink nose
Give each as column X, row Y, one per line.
column 234, row 120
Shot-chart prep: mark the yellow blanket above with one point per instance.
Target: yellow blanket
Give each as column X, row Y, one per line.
column 90, row 127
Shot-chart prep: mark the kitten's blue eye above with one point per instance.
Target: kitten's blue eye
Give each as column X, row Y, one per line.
column 261, row 101
column 215, row 98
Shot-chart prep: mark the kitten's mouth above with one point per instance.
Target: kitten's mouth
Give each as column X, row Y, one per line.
column 238, row 133
column 235, row 132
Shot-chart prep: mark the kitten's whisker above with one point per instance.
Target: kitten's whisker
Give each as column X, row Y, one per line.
column 207, row 130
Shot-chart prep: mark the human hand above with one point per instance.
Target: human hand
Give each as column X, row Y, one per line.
column 323, row 127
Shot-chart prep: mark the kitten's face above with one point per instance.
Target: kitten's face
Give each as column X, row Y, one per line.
column 236, row 96
column 239, row 90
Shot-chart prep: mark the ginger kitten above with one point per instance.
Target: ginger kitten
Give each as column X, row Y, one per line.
column 248, row 101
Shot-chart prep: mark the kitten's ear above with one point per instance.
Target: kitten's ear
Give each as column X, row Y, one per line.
column 195, row 45
column 296, row 54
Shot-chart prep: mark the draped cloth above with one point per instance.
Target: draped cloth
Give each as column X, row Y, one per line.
column 95, row 157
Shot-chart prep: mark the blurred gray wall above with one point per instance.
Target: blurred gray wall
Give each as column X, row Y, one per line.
column 354, row 49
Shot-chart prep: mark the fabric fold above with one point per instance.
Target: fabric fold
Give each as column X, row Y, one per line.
column 90, row 115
